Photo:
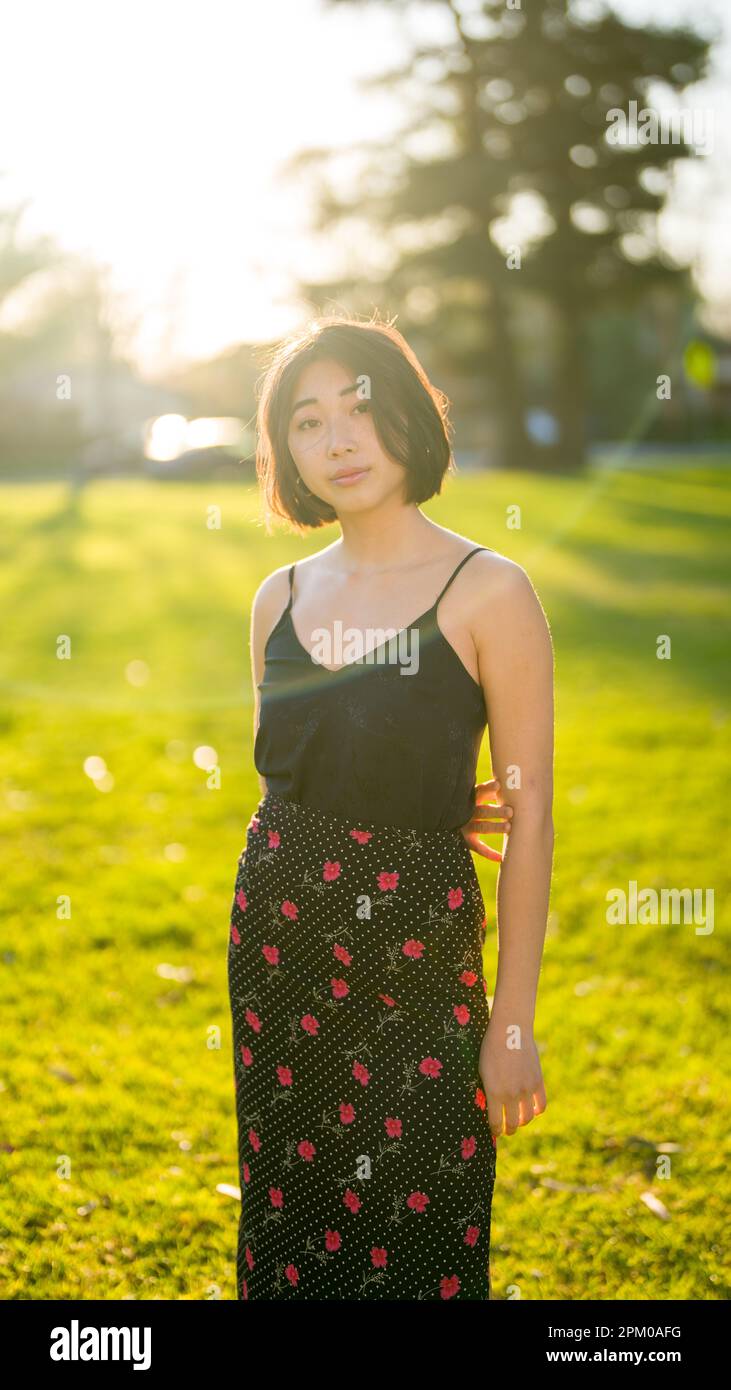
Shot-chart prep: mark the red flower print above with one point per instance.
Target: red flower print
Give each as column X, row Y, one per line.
column 310, row 1024
column 247, row 1055
column 273, row 839
column 254, row 1140
column 387, row 881
column 254, row 825
column 271, row 954
column 362, row 836
column 480, row 1098
column 469, row 1146
column 244, row 1289
column 285, row 1076
column 494, row 1141
column 468, row 977
column 249, row 1257
column 292, row 1274
column 241, row 900
column 378, row 1257
column 276, row 1196
column 332, row 1240
column 472, row 1235
column 289, row 909
column 351, row 1200
column 235, row 934
column 461, row 1013
column 253, row 1020
column 342, row 955
column 306, row 1150
column 455, row 898
column 418, row 1201
column 339, row 988
column 388, row 1000
column 449, row 1287
column 331, row 870
column 393, row 1128
column 347, row 1113
column 430, row 1067
column 246, row 1171
column 414, row 949
column 361, row 1073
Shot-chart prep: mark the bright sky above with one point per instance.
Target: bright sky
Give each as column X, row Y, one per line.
column 148, row 135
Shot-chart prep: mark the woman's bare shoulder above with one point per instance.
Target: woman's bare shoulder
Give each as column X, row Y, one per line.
column 486, row 560
column 273, row 591
column 502, row 595
column 489, row 568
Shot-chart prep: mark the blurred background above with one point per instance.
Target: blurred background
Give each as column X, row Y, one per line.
column 540, row 195
column 176, row 194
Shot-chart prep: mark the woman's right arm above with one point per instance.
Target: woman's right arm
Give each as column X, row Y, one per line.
column 269, row 602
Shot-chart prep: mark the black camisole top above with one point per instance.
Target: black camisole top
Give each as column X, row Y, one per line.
column 391, row 738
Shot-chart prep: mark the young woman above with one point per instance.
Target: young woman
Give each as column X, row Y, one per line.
column 369, row 1089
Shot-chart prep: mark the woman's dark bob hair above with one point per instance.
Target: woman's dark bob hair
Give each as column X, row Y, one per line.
column 409, row 414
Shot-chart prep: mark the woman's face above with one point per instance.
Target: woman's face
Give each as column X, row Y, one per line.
column 331, row 432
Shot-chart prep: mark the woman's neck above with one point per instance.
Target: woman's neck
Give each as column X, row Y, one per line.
column 380, row 543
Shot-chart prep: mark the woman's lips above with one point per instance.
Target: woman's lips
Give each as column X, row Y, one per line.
column 348, row 479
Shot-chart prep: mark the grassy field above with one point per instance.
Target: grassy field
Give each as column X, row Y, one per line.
column 118, row 1121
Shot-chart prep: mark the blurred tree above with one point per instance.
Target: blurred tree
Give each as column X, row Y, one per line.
column 60, row 328
column 503, row 185
column 19, row 261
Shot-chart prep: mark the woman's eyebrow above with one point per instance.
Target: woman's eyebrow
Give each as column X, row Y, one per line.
column 312, row 400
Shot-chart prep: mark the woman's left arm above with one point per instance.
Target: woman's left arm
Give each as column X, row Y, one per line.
column 516, row 670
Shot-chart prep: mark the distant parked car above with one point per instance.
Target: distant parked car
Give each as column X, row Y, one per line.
column 217, row 446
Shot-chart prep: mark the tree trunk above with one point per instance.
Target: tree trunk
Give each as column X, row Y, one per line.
column 571, row 387
column 508, row 395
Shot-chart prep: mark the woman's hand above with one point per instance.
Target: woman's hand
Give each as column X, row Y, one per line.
column 511, row 1078
column 488, row 819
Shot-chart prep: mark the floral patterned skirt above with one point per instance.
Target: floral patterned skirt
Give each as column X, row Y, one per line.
column 358, row 1005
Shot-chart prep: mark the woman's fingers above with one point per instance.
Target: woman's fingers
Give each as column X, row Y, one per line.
column 486, row 811
column 477, row 846
column 492, row 816
column 487, row 819
column 486, row 826
column 527, row 1109
column 494, row 1115
column 487, row 789
column 514, row 1113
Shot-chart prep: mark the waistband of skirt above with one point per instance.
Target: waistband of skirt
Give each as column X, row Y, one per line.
column 298, row 810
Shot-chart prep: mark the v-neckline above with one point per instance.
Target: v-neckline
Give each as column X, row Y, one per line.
column 348, row 665
column 362, row 661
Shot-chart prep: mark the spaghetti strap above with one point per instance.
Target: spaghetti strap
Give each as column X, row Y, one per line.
column 291, row 594
column 455, row 572
column 437, row 601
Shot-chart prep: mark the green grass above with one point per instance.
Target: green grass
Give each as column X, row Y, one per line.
column 126, row 1075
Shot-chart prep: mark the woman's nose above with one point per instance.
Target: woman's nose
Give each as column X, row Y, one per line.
column 338, row 440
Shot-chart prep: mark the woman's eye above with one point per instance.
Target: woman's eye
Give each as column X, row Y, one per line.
column 311, row 421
